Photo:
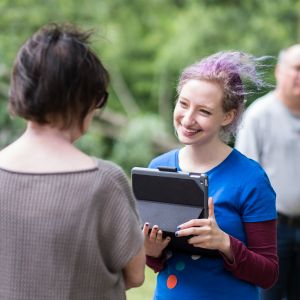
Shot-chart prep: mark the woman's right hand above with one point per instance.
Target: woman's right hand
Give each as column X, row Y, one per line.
column 154, row 241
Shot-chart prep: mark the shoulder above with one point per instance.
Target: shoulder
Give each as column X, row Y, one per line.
column 250, row 174
column 114, row 183
column 256, row 195
column 258, row 115
column 108, row 166
column 167, row 159
column 247, row 165
column 111, row 172
column 261, row 105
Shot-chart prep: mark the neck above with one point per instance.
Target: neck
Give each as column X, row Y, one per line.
column 292, row 103
column 45, row 138
column 203, row 158
column 47, row 133
column 45, row 149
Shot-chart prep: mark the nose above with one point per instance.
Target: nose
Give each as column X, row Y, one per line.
column 188, row 118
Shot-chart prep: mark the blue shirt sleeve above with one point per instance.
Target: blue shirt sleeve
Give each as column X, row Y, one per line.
column 258, row 198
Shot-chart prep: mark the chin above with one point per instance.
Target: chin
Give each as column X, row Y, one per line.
column 185, row 140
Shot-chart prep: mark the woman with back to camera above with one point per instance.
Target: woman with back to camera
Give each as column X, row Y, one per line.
column 69, row 226
column 242, row 218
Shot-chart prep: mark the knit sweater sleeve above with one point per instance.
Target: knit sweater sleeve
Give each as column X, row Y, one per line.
column 120, row 220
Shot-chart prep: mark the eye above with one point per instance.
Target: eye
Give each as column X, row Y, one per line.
column 205, row 112
column 183, row 104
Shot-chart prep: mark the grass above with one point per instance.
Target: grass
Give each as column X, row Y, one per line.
column 145, row 292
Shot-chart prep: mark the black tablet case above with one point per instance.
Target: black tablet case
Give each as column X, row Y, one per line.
column 168, row 198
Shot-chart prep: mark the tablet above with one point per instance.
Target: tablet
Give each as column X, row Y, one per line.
column 168, row 198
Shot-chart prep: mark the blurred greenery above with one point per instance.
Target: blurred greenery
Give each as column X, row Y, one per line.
column 146, row 291
column 145, row 45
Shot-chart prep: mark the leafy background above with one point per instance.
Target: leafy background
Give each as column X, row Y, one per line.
column 145, row 45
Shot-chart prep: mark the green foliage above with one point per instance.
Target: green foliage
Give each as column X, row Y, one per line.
column 134, row 148
column 145, row 45
column 9, row 129
column 93, row 142
column 146, row 291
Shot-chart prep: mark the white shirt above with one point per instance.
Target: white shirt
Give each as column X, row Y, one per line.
column 270, row 134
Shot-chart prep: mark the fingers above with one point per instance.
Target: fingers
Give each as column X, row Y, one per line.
column 211, row 208
column 146, row 229
column 193, row 223
column 201, row 230
column 159, row 236
column 160, row 239
column 155, row 234
column 199, row 241
column 152, row 234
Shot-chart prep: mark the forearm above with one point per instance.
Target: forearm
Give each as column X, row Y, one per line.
column 257, row 263
column 134, row 271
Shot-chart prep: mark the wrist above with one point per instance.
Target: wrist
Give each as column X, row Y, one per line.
column 154, row 254
column 226, row 247
column 160, row 255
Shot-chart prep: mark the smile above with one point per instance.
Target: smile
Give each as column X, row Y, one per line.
column 189, row 131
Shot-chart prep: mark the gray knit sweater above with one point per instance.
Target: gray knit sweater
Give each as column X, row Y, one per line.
column 66, row 235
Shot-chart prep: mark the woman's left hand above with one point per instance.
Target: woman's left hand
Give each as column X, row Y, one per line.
column 206, row 233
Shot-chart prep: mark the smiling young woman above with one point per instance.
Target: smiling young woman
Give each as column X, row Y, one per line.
column 242, row 216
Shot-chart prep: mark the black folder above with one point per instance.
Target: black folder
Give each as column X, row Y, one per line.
column 168, row 198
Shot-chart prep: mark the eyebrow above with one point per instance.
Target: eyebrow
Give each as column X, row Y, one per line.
column 202, row 106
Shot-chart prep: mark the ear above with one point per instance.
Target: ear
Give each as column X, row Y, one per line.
column 229, row 117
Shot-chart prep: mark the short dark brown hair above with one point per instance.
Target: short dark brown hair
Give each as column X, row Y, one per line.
column 56, row 76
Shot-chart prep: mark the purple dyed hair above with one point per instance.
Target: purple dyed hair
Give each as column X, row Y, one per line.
column 231, row 70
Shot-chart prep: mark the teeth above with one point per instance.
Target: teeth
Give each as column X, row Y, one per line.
column 191, row 131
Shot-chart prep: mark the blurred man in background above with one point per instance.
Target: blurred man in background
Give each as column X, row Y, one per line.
column 270, row 134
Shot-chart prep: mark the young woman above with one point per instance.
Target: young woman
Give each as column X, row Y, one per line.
column 242, row 217
column 69, row 226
